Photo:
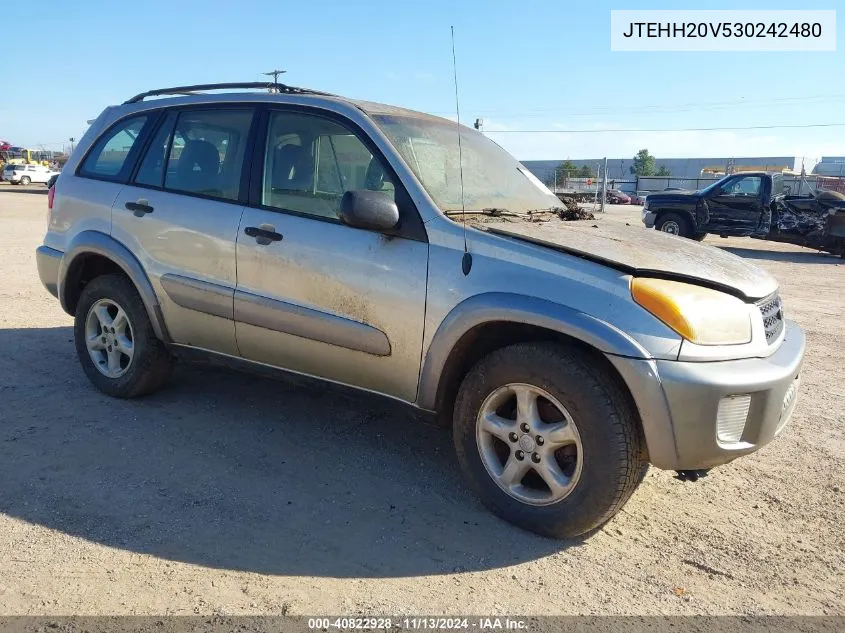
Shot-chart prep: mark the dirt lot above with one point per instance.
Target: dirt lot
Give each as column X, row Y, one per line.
column 233, row 494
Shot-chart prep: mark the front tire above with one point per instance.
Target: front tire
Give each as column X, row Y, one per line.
column 547, row 439
column 115, row 341
column 674, row 224
column 25, row 180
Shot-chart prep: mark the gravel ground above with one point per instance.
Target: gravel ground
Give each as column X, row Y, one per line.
column 230, row 494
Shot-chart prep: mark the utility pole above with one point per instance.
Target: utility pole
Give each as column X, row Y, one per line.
column 803, row 180
column 72, row 140
column 604, row 185
column 275, row 74
column 596, row 193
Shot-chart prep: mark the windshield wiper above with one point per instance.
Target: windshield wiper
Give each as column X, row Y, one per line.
column 497, row 211
column 494, row 212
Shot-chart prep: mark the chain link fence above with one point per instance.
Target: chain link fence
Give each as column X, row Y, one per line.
column 588, row 189
column 793, row 185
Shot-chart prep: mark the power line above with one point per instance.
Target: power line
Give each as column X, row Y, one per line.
column 686, row 129
column 693, row 106
column 647, row 110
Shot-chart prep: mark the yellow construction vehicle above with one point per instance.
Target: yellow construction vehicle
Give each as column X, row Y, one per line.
column 23, row 156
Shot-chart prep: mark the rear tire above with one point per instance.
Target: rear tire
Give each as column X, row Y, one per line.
column 25, row 180
column 674, row 224
column 699, row 237
column 115, row 341
column 584, row 436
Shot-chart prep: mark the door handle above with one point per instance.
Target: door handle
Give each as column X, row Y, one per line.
column 140, row 208
column 263, row 234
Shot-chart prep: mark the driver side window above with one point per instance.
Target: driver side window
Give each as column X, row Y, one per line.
column 746, row 186
column 310, row 162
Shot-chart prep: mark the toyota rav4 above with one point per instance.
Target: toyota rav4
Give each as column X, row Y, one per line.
column 323, row 236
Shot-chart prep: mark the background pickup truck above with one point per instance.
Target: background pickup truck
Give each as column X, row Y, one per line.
column 751, row 204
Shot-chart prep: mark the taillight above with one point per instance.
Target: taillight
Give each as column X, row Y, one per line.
column 50, row 195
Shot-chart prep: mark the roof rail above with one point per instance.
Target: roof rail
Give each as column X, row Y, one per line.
column 252, row 85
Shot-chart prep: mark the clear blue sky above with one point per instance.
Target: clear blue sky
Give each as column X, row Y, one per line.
column 544, row 64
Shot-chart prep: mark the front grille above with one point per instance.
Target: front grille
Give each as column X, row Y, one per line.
column 772, row 310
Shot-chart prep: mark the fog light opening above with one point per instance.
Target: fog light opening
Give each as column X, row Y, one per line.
column 788, row 406
column 731, row 417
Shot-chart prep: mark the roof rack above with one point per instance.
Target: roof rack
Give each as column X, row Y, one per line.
column 252, row 85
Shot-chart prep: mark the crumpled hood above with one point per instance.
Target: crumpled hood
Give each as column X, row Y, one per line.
column 648, row 253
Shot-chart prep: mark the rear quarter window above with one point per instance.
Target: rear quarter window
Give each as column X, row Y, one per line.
column 108, row 158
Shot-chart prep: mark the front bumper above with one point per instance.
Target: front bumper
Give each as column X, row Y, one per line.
column 48, row 260
column 679, row 402
column 649, row 218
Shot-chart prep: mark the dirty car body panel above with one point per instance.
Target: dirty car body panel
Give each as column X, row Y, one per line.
column 650, row 253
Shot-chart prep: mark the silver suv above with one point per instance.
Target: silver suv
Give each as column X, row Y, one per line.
column 326, row 237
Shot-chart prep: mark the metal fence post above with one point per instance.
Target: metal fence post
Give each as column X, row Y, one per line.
column 604, row 186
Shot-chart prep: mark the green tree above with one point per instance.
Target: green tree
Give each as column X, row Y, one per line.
column 566, row 170
column 663, row 170
column 586, row 172
column 643, row 164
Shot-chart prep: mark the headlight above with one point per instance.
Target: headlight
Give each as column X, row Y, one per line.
column 700, row 315
column 645, row 204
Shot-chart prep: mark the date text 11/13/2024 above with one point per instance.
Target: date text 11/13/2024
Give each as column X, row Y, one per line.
column 417, row 623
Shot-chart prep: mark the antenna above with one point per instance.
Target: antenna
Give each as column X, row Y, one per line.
column 466, row 261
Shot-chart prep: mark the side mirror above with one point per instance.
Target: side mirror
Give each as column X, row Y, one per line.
column 365, row 209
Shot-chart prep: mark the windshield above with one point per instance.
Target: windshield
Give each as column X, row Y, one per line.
column 492, row 177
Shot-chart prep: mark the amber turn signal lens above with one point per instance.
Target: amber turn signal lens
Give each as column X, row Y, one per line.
column 701, row 315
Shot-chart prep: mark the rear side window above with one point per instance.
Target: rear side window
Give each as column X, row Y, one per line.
column 198, row 151
column 108, row 158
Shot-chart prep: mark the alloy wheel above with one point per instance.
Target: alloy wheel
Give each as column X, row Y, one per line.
column 529, row 444
column 109, row 338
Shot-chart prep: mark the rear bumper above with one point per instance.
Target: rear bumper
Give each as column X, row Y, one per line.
column 649, row 218
column 48, row 260
column 679, row 403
